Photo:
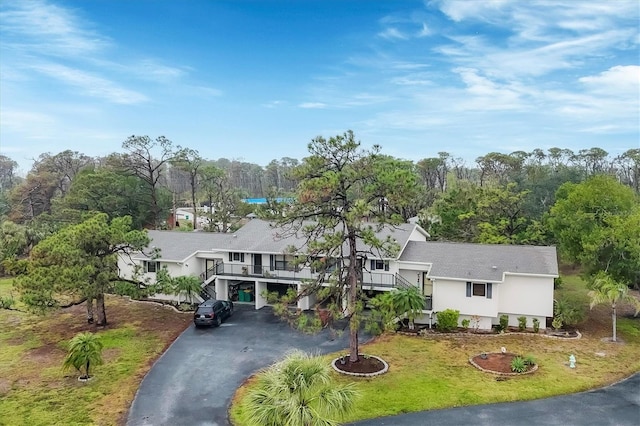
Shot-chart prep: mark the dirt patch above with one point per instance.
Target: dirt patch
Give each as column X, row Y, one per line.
column 45, row 355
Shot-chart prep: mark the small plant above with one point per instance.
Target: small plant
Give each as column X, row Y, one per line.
column 466, row 322
column 529, row 360
column 85, row 351
column 448, row 320
column 536, row 325
column 522, row 323
column 518, row 365
column 504, row 323
column 557, row 322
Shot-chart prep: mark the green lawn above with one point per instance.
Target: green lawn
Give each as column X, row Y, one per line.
column 35, row 391
column 434, row 372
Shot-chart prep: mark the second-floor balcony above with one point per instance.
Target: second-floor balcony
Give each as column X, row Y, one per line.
column 251, row 271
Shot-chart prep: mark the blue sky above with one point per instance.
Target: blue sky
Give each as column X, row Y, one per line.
column 257, row 80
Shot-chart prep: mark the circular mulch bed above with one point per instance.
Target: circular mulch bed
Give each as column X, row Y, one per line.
column 366, row 366
column 498, row 363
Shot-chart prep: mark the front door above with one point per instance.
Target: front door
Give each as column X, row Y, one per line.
column 427, row 291
column 210, row 268
column 257, row 264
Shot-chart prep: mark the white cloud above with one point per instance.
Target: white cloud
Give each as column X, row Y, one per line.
column 392, row 34
column 45, row 28
column 273, row 104
column 312, row 105
column 26, row 121
column 424, row 31
column 89, row 84
column 459, row 10
column 618, row 80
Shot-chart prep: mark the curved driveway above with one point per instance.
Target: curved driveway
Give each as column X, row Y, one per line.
column 193, row 382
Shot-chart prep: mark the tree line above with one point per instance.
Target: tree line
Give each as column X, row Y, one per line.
column 73, row 213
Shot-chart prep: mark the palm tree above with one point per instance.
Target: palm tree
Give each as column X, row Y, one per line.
column 608, row 291
column 85, row 350
column 410, row 302
column 299, row 391
column 187, row 285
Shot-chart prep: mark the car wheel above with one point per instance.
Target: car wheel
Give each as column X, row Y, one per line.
column 218, row 322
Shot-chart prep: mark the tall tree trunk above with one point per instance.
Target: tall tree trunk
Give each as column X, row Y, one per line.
column 354, row 324
column 613, row 318
column 90, row 310
column 102, row 314
column 193, row 201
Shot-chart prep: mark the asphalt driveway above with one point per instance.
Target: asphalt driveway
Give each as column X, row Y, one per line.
column 193, row 382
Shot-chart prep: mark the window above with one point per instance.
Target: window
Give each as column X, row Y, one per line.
column 151, row 266
column 324, row 264
column 236, row 257
column 480, row 289
column 283, row 262
column 377, row 264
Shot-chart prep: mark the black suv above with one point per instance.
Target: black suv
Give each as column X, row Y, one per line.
column 212, row 312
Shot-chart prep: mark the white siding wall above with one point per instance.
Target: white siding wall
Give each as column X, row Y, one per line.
column 529, row 296
column 448, row 294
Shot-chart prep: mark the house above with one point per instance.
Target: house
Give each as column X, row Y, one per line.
column 184, row 216
column 481, row 281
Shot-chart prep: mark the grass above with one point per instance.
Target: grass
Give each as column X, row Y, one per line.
column 429, row 373
column 35, row 391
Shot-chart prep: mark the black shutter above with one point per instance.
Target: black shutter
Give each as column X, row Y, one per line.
column 468, row 288
column 373, row 265
column 242, row 257
column 271, row 262
column 489, row 290
column 386, row 265
column 230, row 257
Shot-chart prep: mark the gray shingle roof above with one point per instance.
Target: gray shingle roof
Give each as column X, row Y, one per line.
column 477, row 261
column 177, row 246
column 257, row 236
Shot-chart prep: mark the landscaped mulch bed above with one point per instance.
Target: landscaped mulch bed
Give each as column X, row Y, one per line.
column 498, row 363
column 366, row 366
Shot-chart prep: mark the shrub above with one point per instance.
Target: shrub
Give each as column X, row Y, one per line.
column 6, row 302
column 504, row 322
column 466, row 322
column 448, row 320
column 568, row 312
column 382, row 315
column 557, row 283
column 536, row 325
column 518, row 365
column 522, row 323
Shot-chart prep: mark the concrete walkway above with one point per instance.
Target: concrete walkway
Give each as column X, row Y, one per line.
column 194, row 380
